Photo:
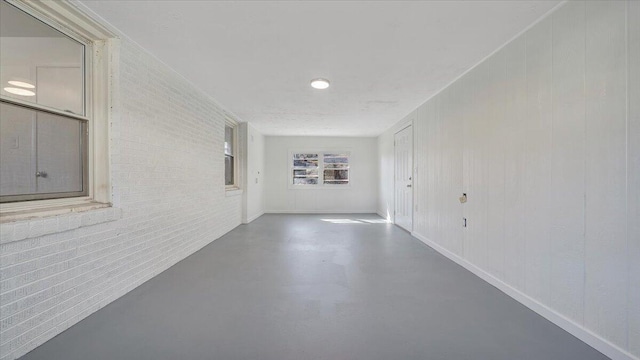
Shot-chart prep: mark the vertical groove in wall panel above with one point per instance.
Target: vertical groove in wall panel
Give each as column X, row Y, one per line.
column 465, row 102
column 433, row 165
column 436, row 153
column 495, row 160
column 454, row 149
column 606, row 228
column 538, row 144
column 567, row 166
column 514, row 133
column 449, row 155
column 476, row 235
column 440, row 185
column 633, row 173
column 430, row 165
column 418, row 155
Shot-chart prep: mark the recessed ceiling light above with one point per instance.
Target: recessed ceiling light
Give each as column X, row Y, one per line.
column 21, row 84
column 320, row 84
column 19, row 91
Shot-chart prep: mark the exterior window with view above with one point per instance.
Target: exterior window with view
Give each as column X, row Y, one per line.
column 305, row 169
column 43, row 110
column 229, row 156
column 336, row 169
column 318, row 169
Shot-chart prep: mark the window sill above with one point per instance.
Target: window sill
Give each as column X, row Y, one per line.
column 233, row 192
column 23, row 225
column 319, row 187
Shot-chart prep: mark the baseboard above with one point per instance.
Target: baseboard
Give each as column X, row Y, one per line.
column 250, row 219
column 590, row 338
column 365, row 211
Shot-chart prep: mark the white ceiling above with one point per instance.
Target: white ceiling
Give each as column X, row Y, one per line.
column 383, row 58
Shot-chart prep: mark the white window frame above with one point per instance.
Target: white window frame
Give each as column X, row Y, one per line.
column 321, row 184
column 101, row 83
column 229, row 121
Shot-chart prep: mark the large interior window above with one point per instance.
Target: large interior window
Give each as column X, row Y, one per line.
column 315, row 169
column 43, row 110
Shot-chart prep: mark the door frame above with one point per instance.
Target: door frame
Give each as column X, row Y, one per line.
column 404, row 126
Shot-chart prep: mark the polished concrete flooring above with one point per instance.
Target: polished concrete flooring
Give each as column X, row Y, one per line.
column 315, row 287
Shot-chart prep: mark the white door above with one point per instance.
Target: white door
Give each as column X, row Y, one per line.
column 403, row 175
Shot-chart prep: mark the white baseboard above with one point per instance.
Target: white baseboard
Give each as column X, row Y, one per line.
column 577, row 330
column 251, row 218
column 365, row 211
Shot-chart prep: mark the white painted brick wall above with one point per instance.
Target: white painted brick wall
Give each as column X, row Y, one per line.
column 169, row 201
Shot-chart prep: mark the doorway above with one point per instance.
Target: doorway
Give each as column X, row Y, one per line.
column 403, row 184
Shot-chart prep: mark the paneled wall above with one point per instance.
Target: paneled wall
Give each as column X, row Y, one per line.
column 544, row 137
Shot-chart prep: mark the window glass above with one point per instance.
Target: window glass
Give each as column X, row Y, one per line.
column 336, row 169
column 229, row 166
column 40, row 153
column 305, row 169
column 39, row 64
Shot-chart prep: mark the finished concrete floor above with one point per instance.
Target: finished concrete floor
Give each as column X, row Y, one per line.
column 315, row 287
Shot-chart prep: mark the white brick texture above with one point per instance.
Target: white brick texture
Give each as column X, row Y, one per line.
column 169, row 201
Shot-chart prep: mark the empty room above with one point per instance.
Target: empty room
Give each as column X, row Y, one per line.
column 321, row 180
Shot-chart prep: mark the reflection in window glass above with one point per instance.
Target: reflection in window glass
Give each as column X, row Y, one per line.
column 40, row 153
column 43, row 153
column 39, row 64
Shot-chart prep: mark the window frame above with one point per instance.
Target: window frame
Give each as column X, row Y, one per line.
column 233, row 124
column 100, row 82
column 321, row 168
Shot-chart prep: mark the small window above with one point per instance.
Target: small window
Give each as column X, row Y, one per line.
column 229, row 155
column 43, row 110
column 317, row 169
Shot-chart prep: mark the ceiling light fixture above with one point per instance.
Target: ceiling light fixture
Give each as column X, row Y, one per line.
column 19, row 91
column 320, row 84
column 22, row 84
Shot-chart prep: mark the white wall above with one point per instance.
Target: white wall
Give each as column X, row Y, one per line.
column 253, row 143
column 544, row 137
column 359, row 197
column 169, row 201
